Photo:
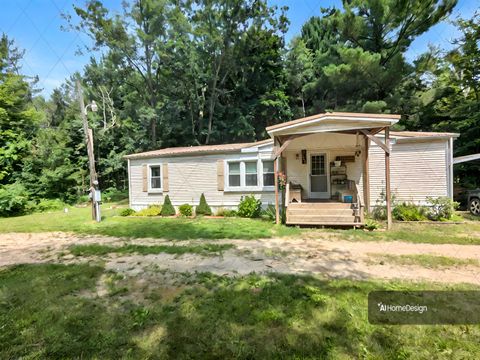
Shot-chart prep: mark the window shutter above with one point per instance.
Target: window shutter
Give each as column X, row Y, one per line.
column 165, row 177
column 145, row 177
column 220, row 175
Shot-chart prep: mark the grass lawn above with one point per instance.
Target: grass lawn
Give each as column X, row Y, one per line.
column 434, row 233
column 51, row 311
column 78, row 220
column 99, row 249
column 428, row 261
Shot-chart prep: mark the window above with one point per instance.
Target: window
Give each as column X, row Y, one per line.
column 251, row 173
column 155, row 177
column 234, row 174
column 268, row 174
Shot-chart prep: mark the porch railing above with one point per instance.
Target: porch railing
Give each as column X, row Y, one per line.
column 359, row 212
column 287, row 194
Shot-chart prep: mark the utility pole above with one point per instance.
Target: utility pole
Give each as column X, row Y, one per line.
column 91, row 159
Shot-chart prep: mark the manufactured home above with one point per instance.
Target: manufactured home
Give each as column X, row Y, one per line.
column 326, row 169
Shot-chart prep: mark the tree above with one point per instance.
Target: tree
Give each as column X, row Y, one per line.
column 300, row 71
column 360, row 50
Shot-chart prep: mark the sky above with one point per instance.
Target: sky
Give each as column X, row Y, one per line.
column 52, row 53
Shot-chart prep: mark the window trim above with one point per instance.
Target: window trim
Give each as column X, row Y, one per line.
column 149, row 177
column 243, row 187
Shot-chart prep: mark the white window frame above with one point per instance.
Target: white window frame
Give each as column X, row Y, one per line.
column 243, row 187
column 149, row 177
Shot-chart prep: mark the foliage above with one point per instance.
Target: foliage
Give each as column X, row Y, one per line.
column 249, row 207
column 203, row 208
column 441, row 208
column 127, row 212
column 226, row 212
column 379, row 211
column 14, row 200
column 152, row 210
column 185, row 210
column 371, row 224
column 112, row 194
column 409, row 212
column 269, row 213
column 167, row 207
column 49, row 205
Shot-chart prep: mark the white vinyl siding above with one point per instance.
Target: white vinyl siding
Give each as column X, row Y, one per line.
column 418, row 170
column 191, row 176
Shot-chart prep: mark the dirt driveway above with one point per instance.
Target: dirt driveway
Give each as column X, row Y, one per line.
column 328, row 257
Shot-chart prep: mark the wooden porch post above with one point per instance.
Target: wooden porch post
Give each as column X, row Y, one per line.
column 388, row 196
column 275, row 172
column 366, row 177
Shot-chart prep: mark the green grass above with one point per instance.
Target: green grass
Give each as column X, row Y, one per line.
column 48, row 311
column 429, row 261
column 78, row 220
column 466, row 233
column 98, row 249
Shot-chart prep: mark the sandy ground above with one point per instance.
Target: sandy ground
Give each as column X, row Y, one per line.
column 327, row 257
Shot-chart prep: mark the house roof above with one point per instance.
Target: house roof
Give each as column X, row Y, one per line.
column 196, row 150
column 423, row 134
column 337, row 115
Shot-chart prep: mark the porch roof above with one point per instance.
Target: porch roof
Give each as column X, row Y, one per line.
column 333, row 122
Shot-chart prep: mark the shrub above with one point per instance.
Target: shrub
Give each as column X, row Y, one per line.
column 409, row 212
column 127, row 212
column 185, row 210
column 152, row 210
column 269, row 213
column 115, row 195
column 203, row 208
column 167, row 208
column 226, row 212
column 49, row 205
column 249, row 207
column 442, row 208
column 14, row 200
column 379, row 211
column 371, row 224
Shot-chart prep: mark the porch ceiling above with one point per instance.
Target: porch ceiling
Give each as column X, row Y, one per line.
column 333, row 122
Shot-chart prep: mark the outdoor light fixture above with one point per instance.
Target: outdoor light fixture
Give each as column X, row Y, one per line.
column 93, row 105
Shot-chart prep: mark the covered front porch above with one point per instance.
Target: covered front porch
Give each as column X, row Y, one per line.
column 321, row 167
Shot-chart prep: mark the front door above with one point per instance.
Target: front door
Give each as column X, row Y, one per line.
column 319, row 188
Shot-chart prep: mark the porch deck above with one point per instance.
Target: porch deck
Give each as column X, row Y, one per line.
column 323, row 213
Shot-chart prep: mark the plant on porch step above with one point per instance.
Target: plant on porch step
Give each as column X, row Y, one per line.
column 203, row 208
column 167, row 208
column 249, row 207
column 282, row 181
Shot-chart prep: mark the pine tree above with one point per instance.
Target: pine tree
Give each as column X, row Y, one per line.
column 167, row 208
column 203, row 208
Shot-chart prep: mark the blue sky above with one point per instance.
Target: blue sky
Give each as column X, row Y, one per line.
column 51, row 53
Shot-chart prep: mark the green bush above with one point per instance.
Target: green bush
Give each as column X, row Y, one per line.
column 269, row 213
column 14, row 200
column 127, row 212
column 371, row 224
column 185, row 210
column 226, row 212
column 152, row 210
column 442, row 208
column 167, row 208
column 249, row 207
column 114, row 195
column 203, row 208
column 409, row 212
column 49, row 205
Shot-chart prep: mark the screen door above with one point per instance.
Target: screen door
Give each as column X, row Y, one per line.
column 319, row 176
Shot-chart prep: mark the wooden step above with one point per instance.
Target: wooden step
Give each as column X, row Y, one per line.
column 325, row 205
column 328, row 211
column 319, row 219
